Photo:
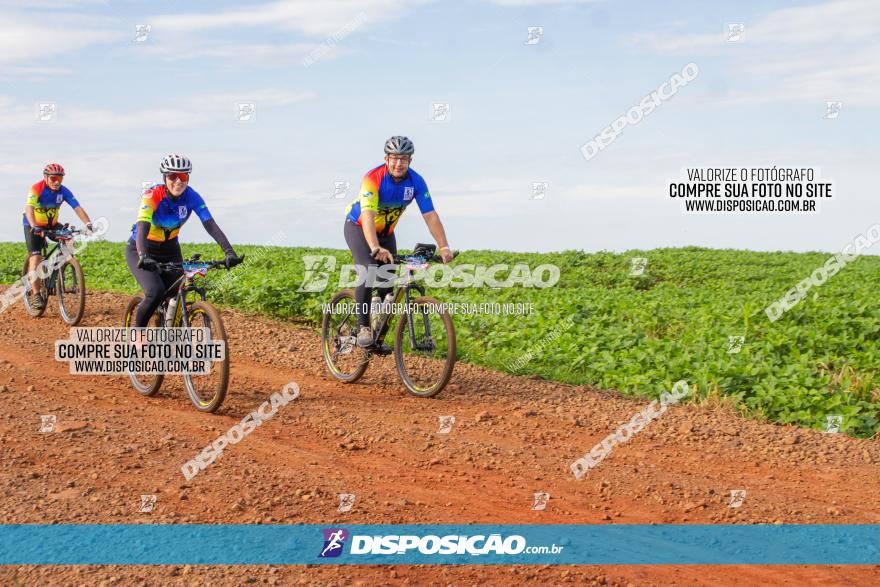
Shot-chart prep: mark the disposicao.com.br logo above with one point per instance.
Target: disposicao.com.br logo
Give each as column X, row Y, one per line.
column 453, row 544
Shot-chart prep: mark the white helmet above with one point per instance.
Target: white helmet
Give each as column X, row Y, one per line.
column 175, row 164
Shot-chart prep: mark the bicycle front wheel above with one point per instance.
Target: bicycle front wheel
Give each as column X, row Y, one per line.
column 424, row 347
column 208, row 391
column 147, row 385
column 345, row 361
column 71, row 292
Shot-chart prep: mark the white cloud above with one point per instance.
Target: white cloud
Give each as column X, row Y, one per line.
column 188, row 112
column 260, row 54
column 310, row 18
column 40, row 36
column 541, row 2
column 802, row 54
column 37, row 72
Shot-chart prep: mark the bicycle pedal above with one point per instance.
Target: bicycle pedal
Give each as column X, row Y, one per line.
column 381, row 350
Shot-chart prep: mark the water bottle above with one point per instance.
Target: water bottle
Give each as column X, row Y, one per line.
column 170, row 312
column 375, row 311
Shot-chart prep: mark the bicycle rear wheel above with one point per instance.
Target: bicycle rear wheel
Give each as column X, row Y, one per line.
column 147, row 385
column 71, row 292
column 345, row 361
column 44, row 292
column 208, row 391
column 425, row 361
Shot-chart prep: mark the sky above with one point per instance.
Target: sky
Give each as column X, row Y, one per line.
column 331, row 81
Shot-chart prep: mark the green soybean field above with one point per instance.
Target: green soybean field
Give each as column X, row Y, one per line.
column 690, row 314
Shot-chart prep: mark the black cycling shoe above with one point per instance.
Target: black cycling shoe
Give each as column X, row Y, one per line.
column 383, row 349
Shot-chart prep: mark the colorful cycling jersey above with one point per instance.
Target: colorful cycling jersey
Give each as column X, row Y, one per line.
column 46, row 203
column 167, row 214
column 388, row 199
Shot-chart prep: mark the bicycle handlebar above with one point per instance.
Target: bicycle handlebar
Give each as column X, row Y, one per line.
column 194, row 260
column 177, row 265
column 432, row 259
column 64, row 230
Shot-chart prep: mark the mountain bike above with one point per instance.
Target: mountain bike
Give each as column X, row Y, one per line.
column 176, row 311
column 64, row 278
column 424, row 340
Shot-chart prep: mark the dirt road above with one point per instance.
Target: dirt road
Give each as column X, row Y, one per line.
column 512, row 437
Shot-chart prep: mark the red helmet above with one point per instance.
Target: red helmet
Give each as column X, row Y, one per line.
column 53, row 169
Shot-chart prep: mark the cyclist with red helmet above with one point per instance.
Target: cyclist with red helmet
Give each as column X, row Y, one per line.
column 385, row 193
column 164, row 210
column 40, row 214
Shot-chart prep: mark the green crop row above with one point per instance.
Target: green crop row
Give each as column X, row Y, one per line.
column 602, row 326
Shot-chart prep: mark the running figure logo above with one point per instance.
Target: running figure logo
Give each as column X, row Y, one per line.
column 734, row 344
column 47, row 423
column 737, row 497
column 832, row 109
column 346, row 501
column 334, row 540
column 541, row 499
column 536, row 33
column 638, row 266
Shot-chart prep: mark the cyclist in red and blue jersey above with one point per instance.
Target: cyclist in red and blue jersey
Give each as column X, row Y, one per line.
column 164, row 209
column 41, row 214
column 385, row 193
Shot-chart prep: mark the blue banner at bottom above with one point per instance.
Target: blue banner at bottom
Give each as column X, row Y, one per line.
column 233, row 544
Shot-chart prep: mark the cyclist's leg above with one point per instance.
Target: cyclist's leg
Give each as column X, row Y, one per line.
column 388, row 242
column 150, row 281
column 360, row 250
column 171, row 253
column 35, row 246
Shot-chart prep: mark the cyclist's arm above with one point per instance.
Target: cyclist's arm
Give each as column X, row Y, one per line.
column 368, row 224
column 71, row 201
column 432, row 219
column 369, row 200
column 32, row 200
column 211, row 227
column 140, row 239
column 82, row 215
column 218, row 236
column 29, row 214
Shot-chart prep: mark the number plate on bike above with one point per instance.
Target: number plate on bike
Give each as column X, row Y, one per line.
column 193, row 269
column 416, row 264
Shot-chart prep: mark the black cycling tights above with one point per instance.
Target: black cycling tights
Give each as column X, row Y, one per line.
column 154, row 284
column 357, row 242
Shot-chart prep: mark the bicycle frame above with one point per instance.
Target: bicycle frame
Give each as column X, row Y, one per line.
column 181, row 286
column 414, row 342
column 403, row 289
column 50, row 280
